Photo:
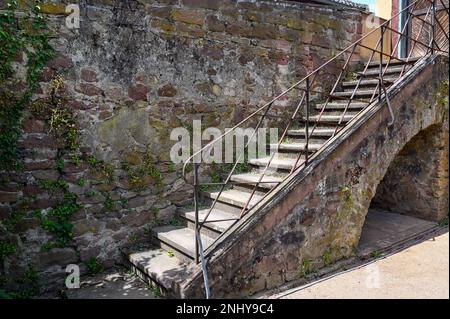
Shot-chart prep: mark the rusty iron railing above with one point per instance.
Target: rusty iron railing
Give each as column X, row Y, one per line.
column 420, row 15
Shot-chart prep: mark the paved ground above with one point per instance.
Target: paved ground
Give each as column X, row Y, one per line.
column 419, row 269
column 383, row 229
column 115, row 284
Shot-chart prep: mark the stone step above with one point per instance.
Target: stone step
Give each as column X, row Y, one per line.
column 392, row 62
column 318, row 131
column 280, row 163
column 358, row 93
column 267, row 182
column 225, row 219
column 234, row 197
column 180, row 239
column 338, row 113
column 297, row 147
column 369, row 82
column 390, row 70
column 163, row 270
column 332, row 118
column 342, row 105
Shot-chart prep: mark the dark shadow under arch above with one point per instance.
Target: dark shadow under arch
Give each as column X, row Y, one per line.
column 416, row 182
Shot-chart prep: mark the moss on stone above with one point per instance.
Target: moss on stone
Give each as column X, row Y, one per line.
column 53, row 8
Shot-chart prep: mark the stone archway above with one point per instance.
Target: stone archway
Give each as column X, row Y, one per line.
column 416, row 182
column 412, row 195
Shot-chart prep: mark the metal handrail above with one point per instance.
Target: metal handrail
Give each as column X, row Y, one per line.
column 220, row 138
column 380, row 93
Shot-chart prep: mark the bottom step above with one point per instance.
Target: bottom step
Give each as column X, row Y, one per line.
column 181, row 239
column 162, row 269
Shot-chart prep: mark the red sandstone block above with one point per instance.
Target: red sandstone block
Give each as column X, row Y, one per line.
column 88, row 89
column 167, row 91
column 206, row 4
column 47, row 75
column 32, row 166
column 189, row 16
column 78, row 105
column 89, row 75
column 31, row 125
column 138, row 92
column 43, row 203
column 8, row 197
column 33, row 190
column 215, row 24
column 160, row 12
column 61, row 62
column 240, row 29
column 44, row 141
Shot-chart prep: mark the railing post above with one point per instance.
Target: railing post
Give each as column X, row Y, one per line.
column 433, row 24
column 307, row 122
column 196, row 190
column 380, row 79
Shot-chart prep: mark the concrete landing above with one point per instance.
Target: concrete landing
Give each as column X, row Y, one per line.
column 112, row 285
column 383, row 229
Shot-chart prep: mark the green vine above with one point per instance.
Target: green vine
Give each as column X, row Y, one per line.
column 6, row 249
column 62, row 126
column 29, row 36
column 139, row 177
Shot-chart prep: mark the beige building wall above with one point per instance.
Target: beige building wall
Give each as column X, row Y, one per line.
column 371, row 41
column 383, row 8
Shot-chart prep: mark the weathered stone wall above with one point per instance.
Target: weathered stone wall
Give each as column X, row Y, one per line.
column 416, row 183
column 132, row 72
column 318, row 218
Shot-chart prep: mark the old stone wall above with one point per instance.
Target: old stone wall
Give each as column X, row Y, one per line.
column 133, row 71
column 318, row 217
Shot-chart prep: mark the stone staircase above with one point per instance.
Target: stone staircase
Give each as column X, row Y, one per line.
column 172, row 258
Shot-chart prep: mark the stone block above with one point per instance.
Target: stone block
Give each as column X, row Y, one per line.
column 53, row 8
column 138, row 92
column 167, row 91
column 188, row 16
column 88, row 75
column 57, row 256
column 215, row 24
column 88, row 89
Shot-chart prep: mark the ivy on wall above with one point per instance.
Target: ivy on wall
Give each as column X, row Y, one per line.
column 22, row 36
column 29, row 36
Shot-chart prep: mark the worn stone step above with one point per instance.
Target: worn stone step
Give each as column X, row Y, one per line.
column 181, row 239
column 225, row 219
column 277, row 163
column 393, row 61
column 161, row 269
column 318, row 131
column 339, row 113
column 390, row 70
column 358, row 93
column 332, row 118
column 235, row 197
column 267, row 182
column 369, row 82
column 297, row 147
column 342, row 105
